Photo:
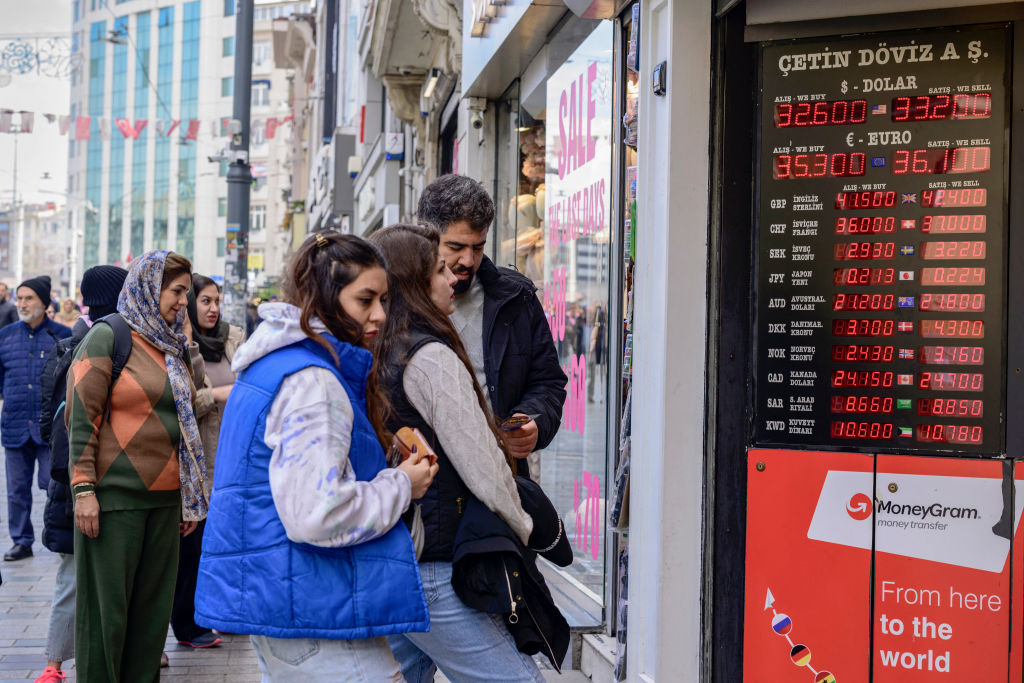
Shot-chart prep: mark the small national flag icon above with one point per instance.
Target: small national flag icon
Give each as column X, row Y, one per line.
column 877, row 162
column 907, row 250
column 801, row 655
column 905, row 302
column 905, row 326
column 906, row 275
column 782, row 624
column 907, row 354
column 878, row 109
column 903, row 404
column 824, row 677
column 908, row 198
column 906, row 432
column 905, row 380
column 908, row 224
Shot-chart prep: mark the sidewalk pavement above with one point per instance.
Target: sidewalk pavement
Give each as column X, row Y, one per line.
column 25, row 598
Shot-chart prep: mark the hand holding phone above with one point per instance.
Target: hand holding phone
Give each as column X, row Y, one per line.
column 516, row 422
column 408, row 437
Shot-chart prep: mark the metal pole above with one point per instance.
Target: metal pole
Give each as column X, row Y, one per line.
column 236, row 265
column 19, row 224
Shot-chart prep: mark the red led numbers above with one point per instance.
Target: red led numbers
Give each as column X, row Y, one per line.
column 837, row 165
column 977, row 196
column 866, row 277
column 951, row 355
column 949, row 433
column 952, row 329
column 959, row 302
column 952, row 251
column 950, row 407
column 861, row 430
column 863, row 327
column 863, row 302
column 952, row 276
column 862, row 353
column 865, row 200
column 940, row 107
column 951, row 381
column 938, row 160
column 877, row 405
column 864, row 251
column 835, row 113
column 865, row 225
column 960, row 223
column 877, row 379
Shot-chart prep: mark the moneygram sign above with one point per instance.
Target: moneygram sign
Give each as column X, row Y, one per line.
column 930, row 517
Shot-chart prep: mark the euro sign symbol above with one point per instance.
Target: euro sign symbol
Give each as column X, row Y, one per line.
column 845, row 87
column 849, row 139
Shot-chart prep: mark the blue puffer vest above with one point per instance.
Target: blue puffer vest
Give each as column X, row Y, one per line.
column 23, row 353
column 252, row 578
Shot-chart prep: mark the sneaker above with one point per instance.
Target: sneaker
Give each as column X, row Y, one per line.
column 208, row 639
column 51, row 674
column 165, row 661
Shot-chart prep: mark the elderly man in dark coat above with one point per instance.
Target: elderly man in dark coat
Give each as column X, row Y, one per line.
column 23, row 349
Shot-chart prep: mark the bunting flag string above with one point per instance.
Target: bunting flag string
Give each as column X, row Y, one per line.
column 90, row 127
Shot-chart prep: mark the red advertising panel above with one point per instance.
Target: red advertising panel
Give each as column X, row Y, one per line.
column 808, row 569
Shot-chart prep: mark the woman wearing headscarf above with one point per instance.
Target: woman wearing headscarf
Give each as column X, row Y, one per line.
column 217, row 342
column 138, row 474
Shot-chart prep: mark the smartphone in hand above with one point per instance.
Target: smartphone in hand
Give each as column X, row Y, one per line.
column 407, row 437
column 516, row 422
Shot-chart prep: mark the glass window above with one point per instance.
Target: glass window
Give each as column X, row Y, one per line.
column 229, row 8
column 261, row 54
column 257, row 135
column 222, row 206
column 260, row 94
column 228, row 47
column 257, row 217
column 226, row 86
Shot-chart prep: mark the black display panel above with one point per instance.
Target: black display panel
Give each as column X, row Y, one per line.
column 881, row 237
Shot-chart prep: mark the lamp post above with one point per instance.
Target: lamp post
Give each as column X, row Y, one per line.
column 236, row 265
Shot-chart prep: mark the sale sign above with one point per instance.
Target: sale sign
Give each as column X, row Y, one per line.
column 914, row 553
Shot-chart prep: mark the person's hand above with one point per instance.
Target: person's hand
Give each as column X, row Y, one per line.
column 187, row 329
column 420, row 472
column 87, row 515
column 185, row 528
column 220, row 394
column 521, row 442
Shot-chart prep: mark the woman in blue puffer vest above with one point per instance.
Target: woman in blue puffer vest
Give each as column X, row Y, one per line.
column 303, row 548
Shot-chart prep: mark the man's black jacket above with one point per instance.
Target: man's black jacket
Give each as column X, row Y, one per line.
column 520, row 360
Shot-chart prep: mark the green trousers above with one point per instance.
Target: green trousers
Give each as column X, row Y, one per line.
column 125, row 589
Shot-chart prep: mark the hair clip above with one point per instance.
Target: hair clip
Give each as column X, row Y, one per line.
column 321, row 241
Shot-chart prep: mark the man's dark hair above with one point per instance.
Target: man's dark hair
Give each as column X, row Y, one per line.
column 453, row 198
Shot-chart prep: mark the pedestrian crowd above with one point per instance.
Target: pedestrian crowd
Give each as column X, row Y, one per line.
column 347, row 481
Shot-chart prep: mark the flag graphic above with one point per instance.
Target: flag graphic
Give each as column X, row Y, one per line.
column 906, row 302
column 907, row 275
column 801, row 655
column 906, row 431
column 908, row 224
column 878, row 109
column 877, row 162
column 782, row 624
column 907, row 250
column 907, row 354
column 905, row 327
column 908, row 198
column 903, row 404
column 905, row 380
column 825, row 677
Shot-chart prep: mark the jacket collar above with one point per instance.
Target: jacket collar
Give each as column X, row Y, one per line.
column 354, row 362
column 497, row 286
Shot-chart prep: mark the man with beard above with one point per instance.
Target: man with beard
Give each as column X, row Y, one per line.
column 498, row 317
column 23, row 349
column 8, row 311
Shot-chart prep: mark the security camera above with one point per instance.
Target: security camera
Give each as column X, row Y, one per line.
column 476, row 119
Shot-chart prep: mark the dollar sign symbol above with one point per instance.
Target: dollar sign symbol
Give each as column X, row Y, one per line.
column 844, row 87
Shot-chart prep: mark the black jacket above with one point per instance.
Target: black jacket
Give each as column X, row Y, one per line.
column 492, row 571
column 8, row 313
column 520, row 359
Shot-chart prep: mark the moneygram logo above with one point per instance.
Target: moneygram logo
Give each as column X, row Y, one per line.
column 859, row 507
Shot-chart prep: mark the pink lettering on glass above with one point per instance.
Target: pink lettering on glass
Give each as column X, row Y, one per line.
column 574, row 415
column 586, row 501
column 554, row 303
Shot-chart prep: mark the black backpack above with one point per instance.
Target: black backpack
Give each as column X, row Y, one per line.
column 54, row 388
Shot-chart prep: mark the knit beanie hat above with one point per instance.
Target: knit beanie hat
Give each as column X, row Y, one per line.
column 101, row 285
column 41, row 286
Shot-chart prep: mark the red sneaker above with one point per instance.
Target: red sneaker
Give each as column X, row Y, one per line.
column 51, row 674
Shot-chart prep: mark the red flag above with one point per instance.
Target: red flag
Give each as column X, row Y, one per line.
column 272, row 124
column 5, row 120
column 125, row 126
column 288, row 118
column 193, row 129
column 65, row 122
column 174, row 124
column 82, row 127
column 140, row 125
column 28, row 119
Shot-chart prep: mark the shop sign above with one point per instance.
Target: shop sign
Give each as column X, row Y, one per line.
column 885, row 568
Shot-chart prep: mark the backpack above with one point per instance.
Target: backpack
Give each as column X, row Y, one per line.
column 54, row 388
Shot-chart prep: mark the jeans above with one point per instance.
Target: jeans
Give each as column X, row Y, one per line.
column 466, row 644
column 311, row 659
column 20, row 463
column 60, row 639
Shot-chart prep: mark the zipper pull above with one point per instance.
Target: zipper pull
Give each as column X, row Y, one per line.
column 459, row 502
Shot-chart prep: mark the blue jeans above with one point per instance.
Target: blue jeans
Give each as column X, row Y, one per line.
column 20, row 463
column 311, row 659
column 466, row 644
column 60, row 639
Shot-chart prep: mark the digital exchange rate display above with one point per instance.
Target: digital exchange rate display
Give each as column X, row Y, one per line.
column 881, row 289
